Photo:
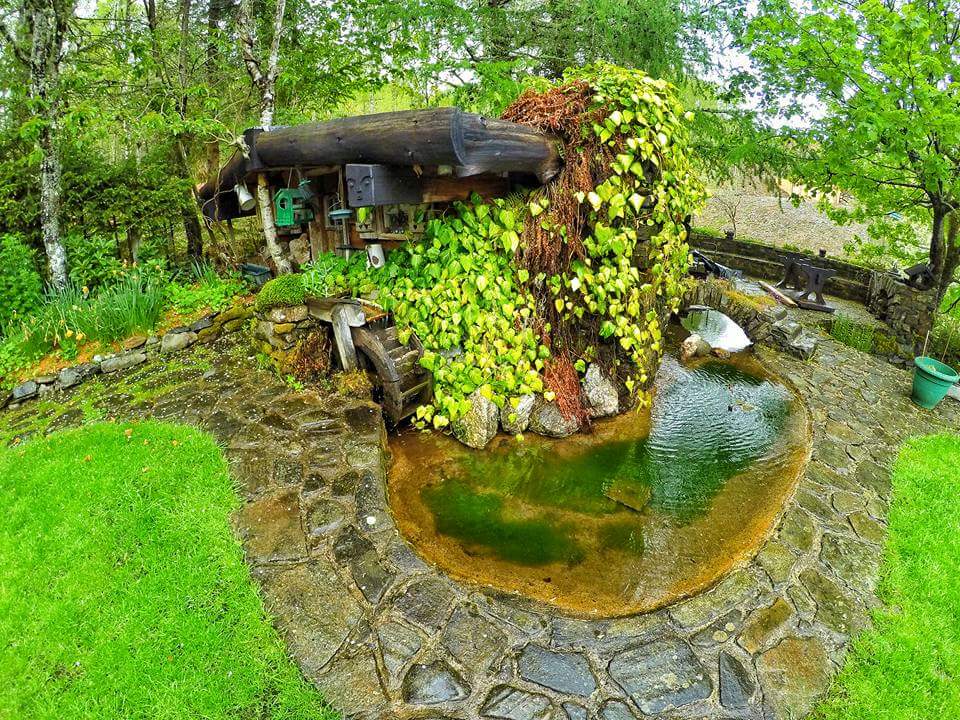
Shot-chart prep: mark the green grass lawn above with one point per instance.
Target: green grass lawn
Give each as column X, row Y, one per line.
column 122, row 590
column 908, row 666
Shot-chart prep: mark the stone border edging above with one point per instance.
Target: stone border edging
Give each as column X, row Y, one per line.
column 205, row 330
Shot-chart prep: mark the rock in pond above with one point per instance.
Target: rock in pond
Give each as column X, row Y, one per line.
column 694, row 346
column 546, row 419
column 478, row 426
column 516, row 420
column 600, row 393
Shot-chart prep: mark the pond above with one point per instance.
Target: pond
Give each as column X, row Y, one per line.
column 649, row 507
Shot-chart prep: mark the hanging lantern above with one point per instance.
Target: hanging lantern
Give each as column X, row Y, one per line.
column 244, row 197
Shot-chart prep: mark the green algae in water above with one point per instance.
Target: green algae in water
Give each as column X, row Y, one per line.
column 707, row 424
column 480, row 519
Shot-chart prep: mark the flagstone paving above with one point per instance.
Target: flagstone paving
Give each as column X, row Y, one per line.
column 384, row 635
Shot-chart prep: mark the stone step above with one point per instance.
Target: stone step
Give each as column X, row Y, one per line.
column 787, row 329
column 804, row 345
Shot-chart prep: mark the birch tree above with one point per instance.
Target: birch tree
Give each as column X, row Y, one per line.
column 263, row 72
column 39, row 42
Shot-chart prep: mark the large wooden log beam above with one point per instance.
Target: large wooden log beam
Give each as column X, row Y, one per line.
column 470, row 143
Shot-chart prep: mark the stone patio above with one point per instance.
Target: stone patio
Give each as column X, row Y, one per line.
column 385, row 636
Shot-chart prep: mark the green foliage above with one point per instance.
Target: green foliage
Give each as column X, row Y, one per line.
column 886, row 128
column 480, row 314
column 93, row 260
column 282, row 291
column 21, row 288
column 852, row 333
column 652, row 188
column 908, row 664
column 460, row 292
column 331, row 275
column 149, row 609
column 945, row 338
column 205, row 288
column 70, row 316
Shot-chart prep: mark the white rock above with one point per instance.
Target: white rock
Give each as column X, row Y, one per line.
column 600, row 393
column 694, row 346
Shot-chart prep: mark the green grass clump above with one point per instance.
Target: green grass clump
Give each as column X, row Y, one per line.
column 282, row 291
column 908, row 665
column 854, row 334
column 203, row 288
column 123, row 592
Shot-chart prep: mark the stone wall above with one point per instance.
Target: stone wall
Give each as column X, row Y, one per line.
column 281, row 333
column 136, row 351
column 762, row 322
column 907, row 311
column 851, row 282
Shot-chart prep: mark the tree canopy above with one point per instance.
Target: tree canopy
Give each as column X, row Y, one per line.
column 877, row 84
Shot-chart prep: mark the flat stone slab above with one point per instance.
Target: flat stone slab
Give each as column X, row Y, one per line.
column 510, row 703
column 434, row 684
column 661, row 675
column 566, row 673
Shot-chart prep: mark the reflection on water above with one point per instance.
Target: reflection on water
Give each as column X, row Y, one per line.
column 716, row 328
column 647, row 508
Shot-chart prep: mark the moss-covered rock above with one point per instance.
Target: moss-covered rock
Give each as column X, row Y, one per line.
column 283, row 291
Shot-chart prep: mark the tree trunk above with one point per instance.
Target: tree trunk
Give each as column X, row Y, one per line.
column 951, row 258
column 47, row 36
column 265, row 202
column 937, row 244
column 263, row 73
column 50, row 191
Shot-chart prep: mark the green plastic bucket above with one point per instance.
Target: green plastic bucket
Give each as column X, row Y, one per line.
column 931, row 381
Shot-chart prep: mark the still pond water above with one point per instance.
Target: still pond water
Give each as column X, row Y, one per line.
column 649, row 507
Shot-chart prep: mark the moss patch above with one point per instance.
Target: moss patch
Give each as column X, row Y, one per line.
column 283, row 291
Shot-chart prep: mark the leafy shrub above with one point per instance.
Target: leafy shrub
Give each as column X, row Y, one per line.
column 93, row 260
column 852, row 333
column 21, row 287
column 330, row 275
column 70, row 316
column 945, row 338
column 884, row 343
column 205, row 289
column 282, row 291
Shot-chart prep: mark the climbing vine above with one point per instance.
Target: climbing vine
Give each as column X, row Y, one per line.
column 516, row 296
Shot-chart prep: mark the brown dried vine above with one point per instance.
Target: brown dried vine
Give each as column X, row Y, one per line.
column 551, row 241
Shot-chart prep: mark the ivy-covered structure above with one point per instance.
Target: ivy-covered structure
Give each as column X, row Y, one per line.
column 532, row 296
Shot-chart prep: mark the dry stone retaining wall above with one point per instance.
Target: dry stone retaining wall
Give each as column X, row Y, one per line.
column 907, row 311
column 852, row 282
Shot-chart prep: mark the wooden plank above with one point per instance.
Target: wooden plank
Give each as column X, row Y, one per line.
column 785, row 299
column 448, row 188
column 474, row 145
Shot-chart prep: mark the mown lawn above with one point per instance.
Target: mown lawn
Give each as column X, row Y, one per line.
column 908, row 665
column 123, row 592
